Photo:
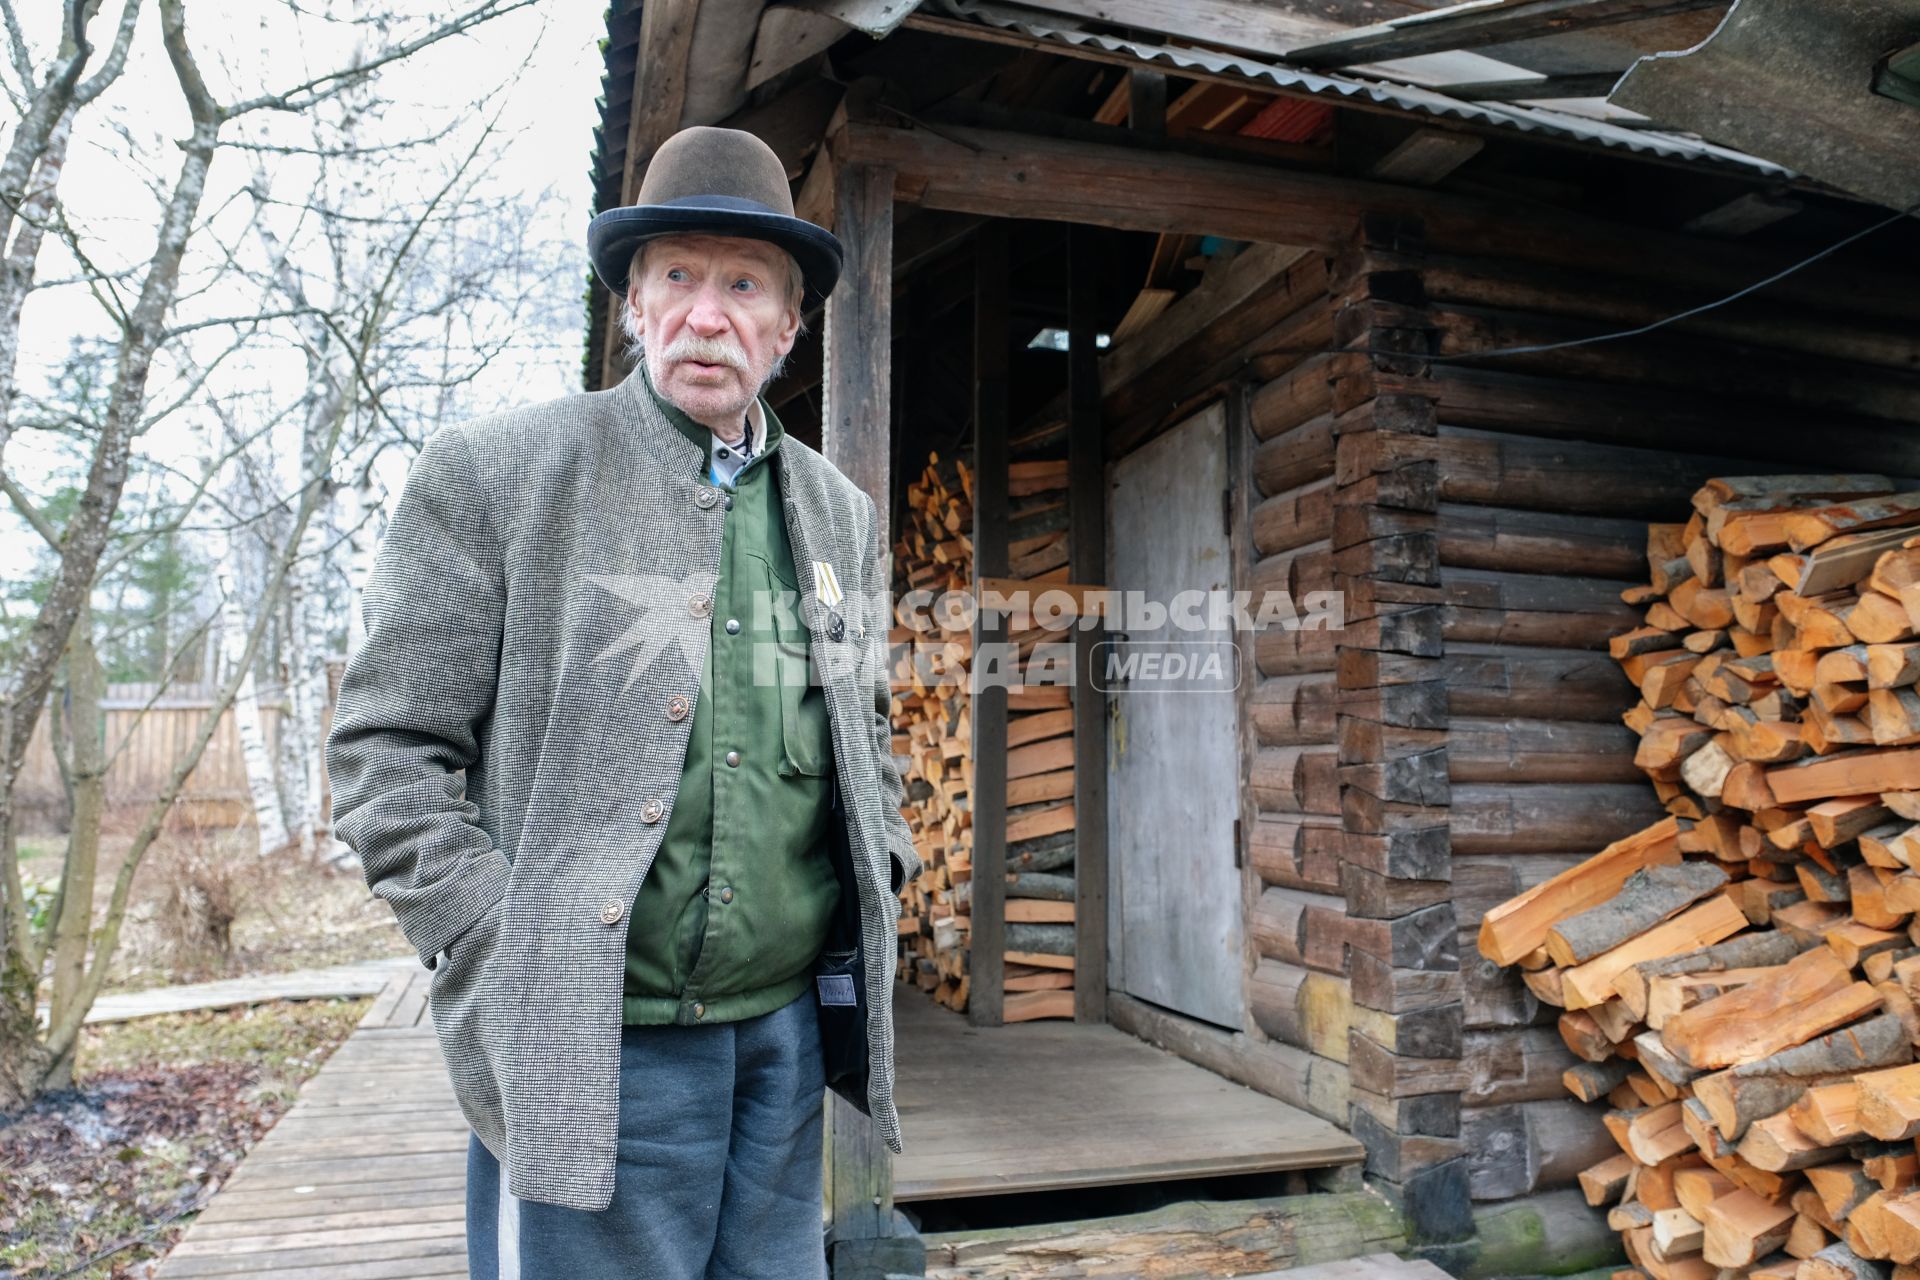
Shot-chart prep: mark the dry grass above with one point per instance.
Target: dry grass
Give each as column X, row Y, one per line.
column 204, row 906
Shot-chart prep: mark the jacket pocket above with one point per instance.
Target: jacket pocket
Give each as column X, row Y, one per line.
column 804, row 729
column 464, row 1007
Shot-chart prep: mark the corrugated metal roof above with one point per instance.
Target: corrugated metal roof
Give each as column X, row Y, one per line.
column 1408, row 98
column 1791, row 78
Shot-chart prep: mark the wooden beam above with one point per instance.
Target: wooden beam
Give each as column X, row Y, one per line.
column 1476, row 24
column 986, row 961
column 855, row 435
column 789, row 34
column 1743, row 215
column 1202, row 339
column 793, row 123
column 659, row 84
column 1087, row 549
column 856, row 429
column 1147, row 102
column 1426, row 156
column 1011, row 175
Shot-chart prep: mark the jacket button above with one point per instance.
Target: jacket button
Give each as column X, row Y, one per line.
column 726, row 894
column 699, row 1010
column 677, row 707
column 733, row 626
column 706, row 497
column 651, row 810
column 612, row 912
column 733, row 759
column 700, row 606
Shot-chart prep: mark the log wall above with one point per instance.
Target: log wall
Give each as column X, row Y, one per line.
column 1297, row 995
column 1485, row 516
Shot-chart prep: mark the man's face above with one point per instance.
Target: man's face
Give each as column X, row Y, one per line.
column 715, row 315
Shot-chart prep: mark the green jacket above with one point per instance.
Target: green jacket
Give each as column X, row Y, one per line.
column 734, row 910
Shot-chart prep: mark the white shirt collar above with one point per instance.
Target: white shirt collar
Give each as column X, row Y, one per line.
column 723, row 470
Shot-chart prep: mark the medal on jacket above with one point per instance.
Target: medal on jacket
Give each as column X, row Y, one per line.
column 826, row 588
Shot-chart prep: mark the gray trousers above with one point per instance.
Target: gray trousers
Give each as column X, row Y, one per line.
column 719, row 1168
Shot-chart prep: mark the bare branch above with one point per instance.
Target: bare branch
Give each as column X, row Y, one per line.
column 116, row 62
column 217, row 322
column 186, row 69
column 17, row 48
column 31, row 514
column 302, row 96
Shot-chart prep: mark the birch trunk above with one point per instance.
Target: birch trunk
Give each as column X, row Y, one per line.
column 268, row 816
column 306, row 652
column 367, row 520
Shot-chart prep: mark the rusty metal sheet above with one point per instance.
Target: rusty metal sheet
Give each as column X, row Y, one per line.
column 1789, row 80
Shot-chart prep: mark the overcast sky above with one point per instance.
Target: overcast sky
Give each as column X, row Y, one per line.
column 123, row 152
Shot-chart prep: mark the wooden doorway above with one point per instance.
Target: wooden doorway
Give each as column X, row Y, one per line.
column 1176, row 930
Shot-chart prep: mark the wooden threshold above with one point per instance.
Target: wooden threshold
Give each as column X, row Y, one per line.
column 1050, row 1104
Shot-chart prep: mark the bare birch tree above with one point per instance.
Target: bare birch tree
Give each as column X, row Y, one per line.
column 33, row 1058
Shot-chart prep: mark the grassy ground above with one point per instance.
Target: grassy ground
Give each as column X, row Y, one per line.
column 205, row 905
column 162, row 1110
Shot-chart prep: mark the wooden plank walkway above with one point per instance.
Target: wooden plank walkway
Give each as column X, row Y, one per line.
column 364, row 1178
column 363, row 978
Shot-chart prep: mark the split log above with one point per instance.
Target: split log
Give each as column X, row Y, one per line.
column 1709, row 922
column 1522, row 925
column 1648, row 897
column 1752, row 1090
column 1810, row 994
column 1888, row 1106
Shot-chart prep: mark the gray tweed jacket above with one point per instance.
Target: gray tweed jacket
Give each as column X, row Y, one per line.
column 539, row 604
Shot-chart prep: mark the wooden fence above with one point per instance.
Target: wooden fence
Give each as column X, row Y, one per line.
column 149, row 731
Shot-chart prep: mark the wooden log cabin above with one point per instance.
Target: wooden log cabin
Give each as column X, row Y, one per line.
column 1209, row 295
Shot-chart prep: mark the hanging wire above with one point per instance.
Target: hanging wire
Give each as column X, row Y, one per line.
column 1690, row 312
column 1538, row 347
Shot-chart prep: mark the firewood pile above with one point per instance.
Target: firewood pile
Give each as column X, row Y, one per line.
column 933, row 723
column 1738, row 981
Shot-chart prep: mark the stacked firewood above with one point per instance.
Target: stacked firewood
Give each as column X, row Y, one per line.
column 933, row 722
column 1739, row 980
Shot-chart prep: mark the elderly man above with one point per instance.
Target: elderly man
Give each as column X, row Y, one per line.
column 650, row 628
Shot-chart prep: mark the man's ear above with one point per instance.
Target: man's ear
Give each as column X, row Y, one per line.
column 789, row 333
column 633, row 300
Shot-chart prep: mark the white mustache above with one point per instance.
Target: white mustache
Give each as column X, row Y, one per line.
column 708, row 351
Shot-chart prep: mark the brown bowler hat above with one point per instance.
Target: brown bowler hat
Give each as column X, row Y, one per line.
column 714, row 181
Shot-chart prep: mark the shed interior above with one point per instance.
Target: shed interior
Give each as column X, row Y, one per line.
column 1402, row 338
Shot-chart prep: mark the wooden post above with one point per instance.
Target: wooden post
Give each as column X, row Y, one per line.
column 856, row 425
column 1087, row 540
column 1241, row 488
column 986, row 947
column 1405, row 1058
column 1147, row 102
column 856, row 429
